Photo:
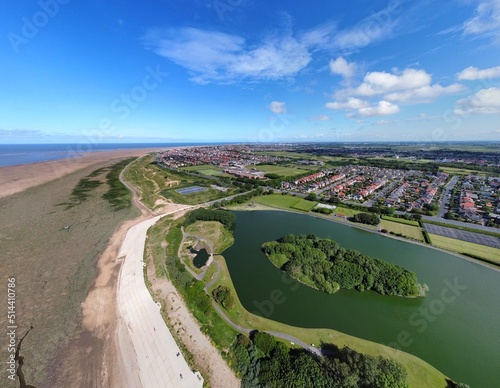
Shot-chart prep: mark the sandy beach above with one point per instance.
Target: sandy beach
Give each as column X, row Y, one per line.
column 99, row 348
column 14, row 179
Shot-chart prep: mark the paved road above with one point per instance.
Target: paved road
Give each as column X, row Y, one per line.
column 155, row 348
column 444, row 202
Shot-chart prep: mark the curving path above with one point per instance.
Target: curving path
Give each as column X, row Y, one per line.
column 157, row 353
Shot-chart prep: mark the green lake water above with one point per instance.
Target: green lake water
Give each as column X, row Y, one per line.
column 455, row 328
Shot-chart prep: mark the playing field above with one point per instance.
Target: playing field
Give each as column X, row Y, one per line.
column 304, row 205
column 205, row 169
column 460, row 171
column 346, row 211
column 286, row 202
column 410, row 231
column 400, row 220
column 280, row 170
column 488, row 253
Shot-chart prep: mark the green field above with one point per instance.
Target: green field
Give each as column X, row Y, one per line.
column 205, row 169
column 340, row 210
column 304, row 205
column 285, row 202
column 401, row 220
column 409, row 231
column 460, row 171
column 280, row 170
column 489, row 254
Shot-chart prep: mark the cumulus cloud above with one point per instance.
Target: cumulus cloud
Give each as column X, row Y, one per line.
column 409, row 85
column 380, row 82
column 473, row 73
column 356, row 107
column 277, row 107
column 485, row 101
column 383, row 108
column 350, row 104
column 216, row 57
column 342, row 67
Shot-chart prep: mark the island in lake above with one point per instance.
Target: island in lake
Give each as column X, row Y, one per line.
column 324, row 265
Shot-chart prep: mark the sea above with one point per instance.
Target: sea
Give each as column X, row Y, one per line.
column 15, row 154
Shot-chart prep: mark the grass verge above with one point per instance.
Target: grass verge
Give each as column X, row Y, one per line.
column 403, row 230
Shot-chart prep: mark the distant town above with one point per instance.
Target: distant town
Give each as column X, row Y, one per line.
column 454, row 184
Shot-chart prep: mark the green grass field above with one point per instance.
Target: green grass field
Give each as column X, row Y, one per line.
column 460, row 171
column 281, row 170
column 401, row 220
column 205, row 169
column 410, row 231
column 285, row 202
column 489, row 254
column 346, row 211
column 304, row 205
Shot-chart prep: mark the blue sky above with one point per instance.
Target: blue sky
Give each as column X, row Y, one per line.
column 241, row 70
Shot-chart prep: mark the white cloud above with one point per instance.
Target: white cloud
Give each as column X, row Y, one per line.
column 376, row 83
column 485, row 101
column 409, row 85
column 320, row 118
column 425, row 93
column 351, row 104
column 383, row 108
column 473, row 73
column 485, row 21
column 219, row 57
column 342, row 67
column 277, row 107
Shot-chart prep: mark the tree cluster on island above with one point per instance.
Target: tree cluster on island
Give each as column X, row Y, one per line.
column 326, row 266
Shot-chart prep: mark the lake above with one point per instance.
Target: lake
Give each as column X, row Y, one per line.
column 455, row 328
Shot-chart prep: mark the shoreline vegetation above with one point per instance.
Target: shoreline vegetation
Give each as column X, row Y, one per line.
column 324, row 265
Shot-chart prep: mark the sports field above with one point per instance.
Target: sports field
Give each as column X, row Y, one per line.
column 286, row 202
column 488, row 253
column 304, row 205
column 400, row 220
column 346, row 211
column 280, row 170
column 410, row 231
column 205, row 169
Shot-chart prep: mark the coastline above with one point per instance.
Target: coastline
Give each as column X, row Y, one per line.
column 15, row 179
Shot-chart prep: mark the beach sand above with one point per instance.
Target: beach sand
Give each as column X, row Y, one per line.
column 14, row 179
column 56, row 270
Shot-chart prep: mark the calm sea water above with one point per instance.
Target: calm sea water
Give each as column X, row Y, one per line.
column 14, row 154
